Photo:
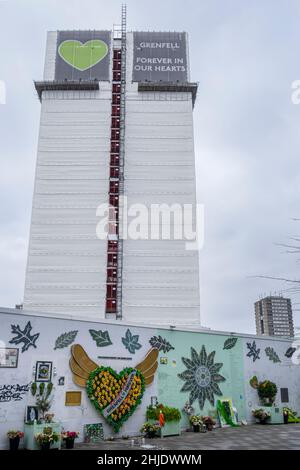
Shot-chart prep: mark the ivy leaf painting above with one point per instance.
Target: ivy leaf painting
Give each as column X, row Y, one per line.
column 272, row 355
column 290, row 351
column 160, row 343
column 254, row 382
column 65, row 339
column 230, row 343
column 24, row 336
column 101, row 337
column 131, row 342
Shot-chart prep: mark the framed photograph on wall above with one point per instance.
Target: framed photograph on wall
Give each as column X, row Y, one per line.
column 43, row 371
column 9, row 358
column 32, row 413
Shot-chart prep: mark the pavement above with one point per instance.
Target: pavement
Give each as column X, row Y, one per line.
column 250, row 437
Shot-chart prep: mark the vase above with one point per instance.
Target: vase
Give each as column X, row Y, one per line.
column 45, row 445
column 196, row 427
column 14, row 443
column 70, row 443
column 150, row 434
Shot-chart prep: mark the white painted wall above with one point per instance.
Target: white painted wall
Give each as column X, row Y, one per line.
column 72, row 418
column 285, row 373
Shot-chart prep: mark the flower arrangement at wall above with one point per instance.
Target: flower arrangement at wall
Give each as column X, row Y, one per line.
column 226, row 413
column 291, row 415
column 261, row 415
column 150, row 430
column 46, row 438
column 170, row 414
column 115, row 395
column 197, row 423
column 69, row 437
column 14, row 437
column 106, row 387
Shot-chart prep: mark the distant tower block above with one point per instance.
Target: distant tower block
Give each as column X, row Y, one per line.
column 116, row 120
column 274, row 317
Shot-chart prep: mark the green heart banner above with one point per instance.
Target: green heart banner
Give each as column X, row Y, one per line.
column 83, row 56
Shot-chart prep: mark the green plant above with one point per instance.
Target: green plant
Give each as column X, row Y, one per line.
column 43, row 399
column 49, row 389
column 33, row 388
column 170, row 414
column 41, row 388
column 267, row 390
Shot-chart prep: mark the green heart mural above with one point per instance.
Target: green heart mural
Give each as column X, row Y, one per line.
column 83, row 56
column 115, row 395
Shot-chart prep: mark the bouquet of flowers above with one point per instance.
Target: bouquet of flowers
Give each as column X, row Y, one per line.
column 69, row 435
column 261, row 415
column 47, row 436
column 150, row 429
column 196, row 420
column 13, row 434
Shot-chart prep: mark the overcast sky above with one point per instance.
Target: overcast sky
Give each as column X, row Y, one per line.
column 245, row 56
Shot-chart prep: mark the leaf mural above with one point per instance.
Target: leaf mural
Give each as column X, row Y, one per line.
column 101, row 338
column 290, row 351
column 161, row 344
column 24, row 336
column 131, row 342
column 272, row 355
column 230, row 343
column 254, row 382
column 65, row 339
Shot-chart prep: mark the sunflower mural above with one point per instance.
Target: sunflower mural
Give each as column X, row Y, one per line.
column 202, row 377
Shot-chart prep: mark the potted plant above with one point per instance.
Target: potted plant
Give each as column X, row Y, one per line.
column 267, row 391
column 261, row 415
column 69, row 438
column 197, row 423
column 150, row 429
column 46, row 438
column 168, row 415
column 209, row 422
column 14, row 439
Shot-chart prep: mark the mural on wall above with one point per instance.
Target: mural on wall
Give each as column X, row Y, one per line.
column 115, row 395
column 131, row 342
column 202, row 377
column 24, row 336
column 161, row 344
column 230, row 343
column 254, row 382
column 13, row 392
column 272, row 355
column 253, row 351
column 65, row 339
column 290, row 351
column 101, row 338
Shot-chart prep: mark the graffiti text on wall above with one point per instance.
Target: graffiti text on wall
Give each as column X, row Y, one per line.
column 13, row 392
